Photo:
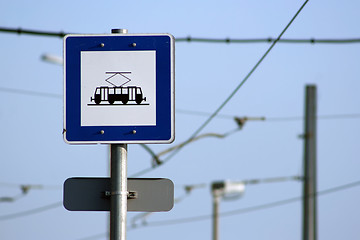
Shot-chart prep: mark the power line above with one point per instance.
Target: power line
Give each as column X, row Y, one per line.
column 61, row 34
column 269, row 40
column 157, row 160
column 189, row 112
column 254, row 208
column 33, row 32
column 201, row 113
column 97, row 236
column 189, row 188
column 222, row 105
column 11, row 199
column 29, row 92
column 236, row 211
column 247, row 76
column 31, row 212
column 212, row 116
column 27, row 187
column 272, row 119
column 323, row 117
column 156, row 157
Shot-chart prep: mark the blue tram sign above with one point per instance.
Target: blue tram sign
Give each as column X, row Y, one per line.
column 119, row 88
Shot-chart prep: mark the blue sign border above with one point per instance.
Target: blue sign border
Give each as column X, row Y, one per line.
column 162, row 132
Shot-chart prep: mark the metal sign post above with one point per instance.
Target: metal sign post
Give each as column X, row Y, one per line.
column 118, row 176
column 119, row 193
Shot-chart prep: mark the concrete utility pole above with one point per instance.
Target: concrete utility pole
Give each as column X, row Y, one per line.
column 309, row 186
column 215, row 227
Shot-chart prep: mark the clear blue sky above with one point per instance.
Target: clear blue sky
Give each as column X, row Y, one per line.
column 33, row 150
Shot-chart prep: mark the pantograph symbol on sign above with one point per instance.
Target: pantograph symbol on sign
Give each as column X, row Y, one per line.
column 118, row 93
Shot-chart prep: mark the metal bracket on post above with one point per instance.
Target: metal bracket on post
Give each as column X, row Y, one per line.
column 130, row 194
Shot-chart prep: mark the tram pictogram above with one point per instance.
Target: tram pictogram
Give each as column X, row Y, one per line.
column 119, row 94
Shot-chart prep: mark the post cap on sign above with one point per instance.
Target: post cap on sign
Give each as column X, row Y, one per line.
column 119, row 30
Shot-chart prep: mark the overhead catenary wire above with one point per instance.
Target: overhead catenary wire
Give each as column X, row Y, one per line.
column 96, row 236
column 31, row 211
column 156, row 161
column 24, row 188
column 61, row 34
column 222, row 105
column 236, row 211
column 30, row 92
column 156, row 157
column 192, row 112
column 269, row 40
column 11, row 199
column 188, row 188
column 254, row 208
column 32, row 32
column 228, row 41
column 272, row 119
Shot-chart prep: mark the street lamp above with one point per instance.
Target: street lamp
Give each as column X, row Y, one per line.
column 52, row 59
column 227, row 190
column 230, row 190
